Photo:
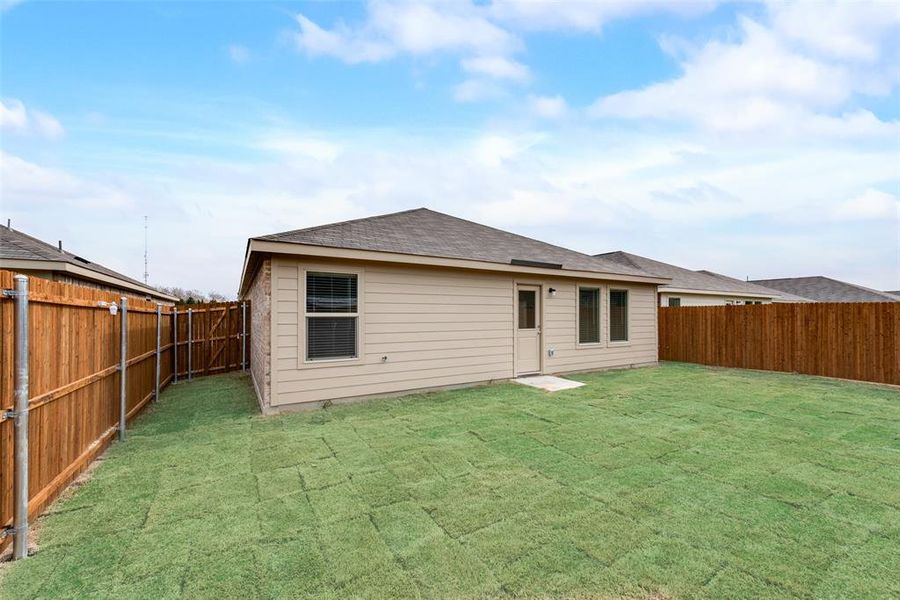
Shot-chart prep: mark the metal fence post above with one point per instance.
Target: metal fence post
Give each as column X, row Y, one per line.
column 20, row 519
column 123, row 369
column 175, row 344
column 158, row 346
column 190, row 343
column 243, row 336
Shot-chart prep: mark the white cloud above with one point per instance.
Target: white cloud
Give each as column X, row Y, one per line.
column 493, row 150
column 762, row 83
column 485, row 36
column 548, row 107
column 590, row 188
column 6, row 5
column 498, row 67
column 420, row 29
column 15, row 117
column 407, row 27
column 239, row 55
column 43, row 187
column 342, row 43
column 315, row 148
column 842, row 30
column 527, row 207
column 477, row 90
column 871, row 204
column 585, row 15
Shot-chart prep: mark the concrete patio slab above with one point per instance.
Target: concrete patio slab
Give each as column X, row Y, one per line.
column 548, row 383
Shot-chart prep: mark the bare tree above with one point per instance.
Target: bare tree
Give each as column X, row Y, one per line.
column 194, row 296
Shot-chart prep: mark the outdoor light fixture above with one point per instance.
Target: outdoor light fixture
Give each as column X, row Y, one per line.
column 113, row 307
column 552, row 292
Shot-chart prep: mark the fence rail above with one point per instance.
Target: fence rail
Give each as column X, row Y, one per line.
column 847, row 340
column 213, row 331
column 74, row 377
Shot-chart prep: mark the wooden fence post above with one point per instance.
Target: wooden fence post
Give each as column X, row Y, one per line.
column 158, row 347
column 123, row 369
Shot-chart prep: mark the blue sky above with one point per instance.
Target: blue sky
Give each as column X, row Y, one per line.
column 753, row 139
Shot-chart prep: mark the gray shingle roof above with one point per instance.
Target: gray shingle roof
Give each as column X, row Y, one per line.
column 686, row 279
column 15, row 245
column 825, row 289
column 424, row 232
column 776, row 294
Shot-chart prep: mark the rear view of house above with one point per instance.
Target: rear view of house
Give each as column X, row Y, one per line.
column 420, row 300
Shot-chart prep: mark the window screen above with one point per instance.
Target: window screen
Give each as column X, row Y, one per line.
column 330, row 337
column 526, row 309
column 618, row 315
column 331, row 319
column 330, row 293
column 588, row 315
column 674, row 302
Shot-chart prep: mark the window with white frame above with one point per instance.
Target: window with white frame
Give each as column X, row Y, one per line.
column 618, row 315
column 674, row 302
column 588, row 315
column 332, row 316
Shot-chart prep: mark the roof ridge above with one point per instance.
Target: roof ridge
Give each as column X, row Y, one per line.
column 845, row 284
column 626, row 255
column 426, row 232
column 508, row 232
column 796, row 278
column 435, row 212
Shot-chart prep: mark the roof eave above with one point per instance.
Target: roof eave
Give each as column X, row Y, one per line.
column 61, row 266
column 296, row 249
column 686, row 290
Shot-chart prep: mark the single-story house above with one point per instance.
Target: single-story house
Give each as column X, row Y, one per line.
column 420, row 300
column 22, row 253
column 698, row 288
column 826, row 289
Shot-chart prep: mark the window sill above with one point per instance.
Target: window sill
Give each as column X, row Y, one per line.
column 324, row 362
column 588, row 345
column 612, row 344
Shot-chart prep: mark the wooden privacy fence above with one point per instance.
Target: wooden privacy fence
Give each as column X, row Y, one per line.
column 214, row 333
column 847, row 340
column 74, row 376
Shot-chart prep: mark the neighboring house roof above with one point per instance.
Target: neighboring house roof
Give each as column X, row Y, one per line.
column 22, row 251
column 893, row 292
column 427, row 233
column 688, row 281
column 777, row 295
column 825, row 289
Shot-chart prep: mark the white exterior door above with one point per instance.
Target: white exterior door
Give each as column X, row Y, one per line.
column 528, row 329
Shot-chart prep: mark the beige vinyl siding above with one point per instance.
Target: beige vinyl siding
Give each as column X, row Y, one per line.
column 259, row 295
column 561, row 328
column 705, row 299
column 435, row 326
column 438, row 327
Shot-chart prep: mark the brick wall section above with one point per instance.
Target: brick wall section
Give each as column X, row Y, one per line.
column 260, row 296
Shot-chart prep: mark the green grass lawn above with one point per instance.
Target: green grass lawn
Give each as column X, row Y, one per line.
column 678, row 481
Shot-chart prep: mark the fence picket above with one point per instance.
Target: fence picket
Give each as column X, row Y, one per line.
column 846, row 340
column 74, row 395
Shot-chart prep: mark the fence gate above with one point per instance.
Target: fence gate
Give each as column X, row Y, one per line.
column 209, row 338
